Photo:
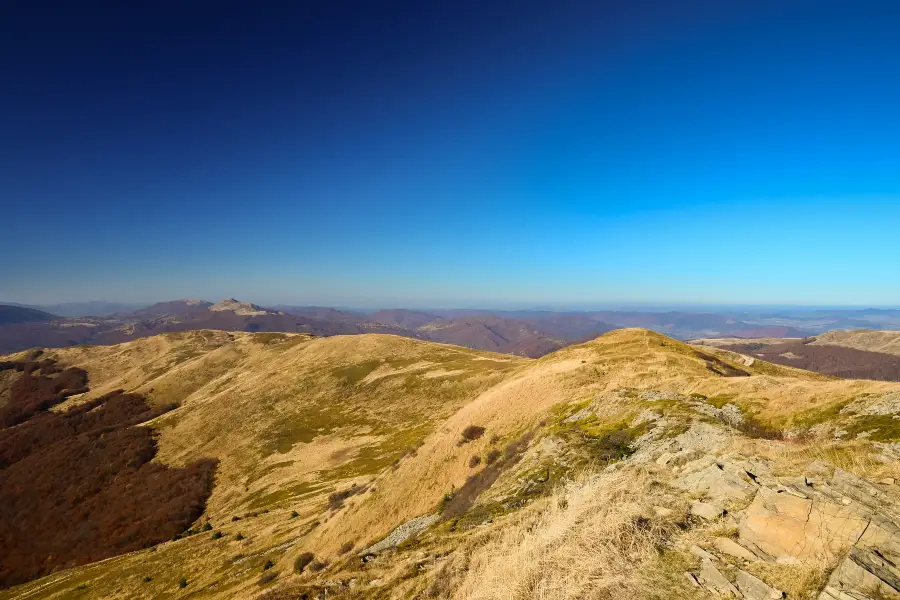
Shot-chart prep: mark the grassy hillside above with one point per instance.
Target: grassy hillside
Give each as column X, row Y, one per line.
column 871, row 340
column 326, row 445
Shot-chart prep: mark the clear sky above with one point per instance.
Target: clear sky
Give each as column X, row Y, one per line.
column 451, row 153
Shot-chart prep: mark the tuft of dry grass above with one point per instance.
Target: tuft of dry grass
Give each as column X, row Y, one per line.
column 592, row 539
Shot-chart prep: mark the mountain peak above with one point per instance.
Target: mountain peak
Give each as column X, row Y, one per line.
column 239, row 308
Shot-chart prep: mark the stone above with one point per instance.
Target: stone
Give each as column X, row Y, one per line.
column 732, row 548
column 819, row 467
column 754, row 588
column 707, row 510
column 886, row 481
column 789, row 528
column 717, row 483
column 690, row 577
column 664, row 458
column 861, row 575
column 661, row 511
column 712, row 577
column 701, row 553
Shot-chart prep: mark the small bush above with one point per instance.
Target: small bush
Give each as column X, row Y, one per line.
column 294, row 514
column 492, row 456
column 267, row 578
column 148, row 579
column 474, row 461
column 303, row 560
column 346, row 547
column 269, row 564
column 206, row 527
column 471, row 433
column 217, row 535
column 317, row 566
column 182, row 583
column 235, row 518
column 239, row 536
column 336, row 499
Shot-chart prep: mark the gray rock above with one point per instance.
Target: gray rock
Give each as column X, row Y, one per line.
column 712, row 577
column 717, row 483
column 732, row 548
column 754, row 588
column 402, row 533
column 707, row 510
column 701, row 553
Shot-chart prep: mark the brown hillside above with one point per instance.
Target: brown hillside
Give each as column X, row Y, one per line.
column 78, row 486
column 504, row 470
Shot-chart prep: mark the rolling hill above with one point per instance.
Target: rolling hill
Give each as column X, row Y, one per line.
column 18, row 314
column 379, row 466
column 862, row 354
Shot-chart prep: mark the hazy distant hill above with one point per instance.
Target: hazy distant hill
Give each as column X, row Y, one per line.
column 177, row 308
column 523, row 332
column 20, row 314
column 409, row 319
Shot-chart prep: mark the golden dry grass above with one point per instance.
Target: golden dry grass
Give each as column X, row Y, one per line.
column 292, row 418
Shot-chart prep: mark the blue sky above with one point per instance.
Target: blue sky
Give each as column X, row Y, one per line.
column 452, row 154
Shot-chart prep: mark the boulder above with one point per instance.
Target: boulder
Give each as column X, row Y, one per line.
column 714, row 579
column 717, row 483
column 754, row 588
column 701, row 553
column 732, row 548
column 707, row 510
column 862, row 575
column 790, row 528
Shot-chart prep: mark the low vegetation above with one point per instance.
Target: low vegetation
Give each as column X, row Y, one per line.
column 517, row 478
column 80, row 485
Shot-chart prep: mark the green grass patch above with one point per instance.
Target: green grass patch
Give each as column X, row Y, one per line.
column 884, row 428
column 262, row 499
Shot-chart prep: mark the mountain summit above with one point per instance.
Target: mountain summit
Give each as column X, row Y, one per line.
column 240, row 308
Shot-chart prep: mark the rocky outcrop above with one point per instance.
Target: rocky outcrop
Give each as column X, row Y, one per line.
column 825, row 516
column 402, row 533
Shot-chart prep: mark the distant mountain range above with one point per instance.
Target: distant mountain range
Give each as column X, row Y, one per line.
column 524, row 332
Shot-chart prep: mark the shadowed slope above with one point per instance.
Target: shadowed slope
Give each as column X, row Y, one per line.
column 78, row 486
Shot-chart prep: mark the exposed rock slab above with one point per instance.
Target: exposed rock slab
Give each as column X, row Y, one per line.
column 790, row 528
column 754, row 588
column 402, row 533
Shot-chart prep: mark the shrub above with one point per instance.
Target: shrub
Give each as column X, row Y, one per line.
column 346, row 547
column 267, row 578
column 461, row 500
column 471, row 433
column 217, row 535
column 239, row 536
column 235, row 518
column 269, row 564
column 303, row 560
column 294, row 514
column 148, row 579
column 206, row 527
column 317, row 566
column 474, row 461
column 336, row 499
column 182, row 583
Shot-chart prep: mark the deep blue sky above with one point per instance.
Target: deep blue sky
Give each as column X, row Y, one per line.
column 451, row 153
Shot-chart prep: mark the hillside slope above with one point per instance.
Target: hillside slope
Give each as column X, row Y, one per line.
column 887, row 342
column 591, row 472
column 862, row 354
column 19, row 314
